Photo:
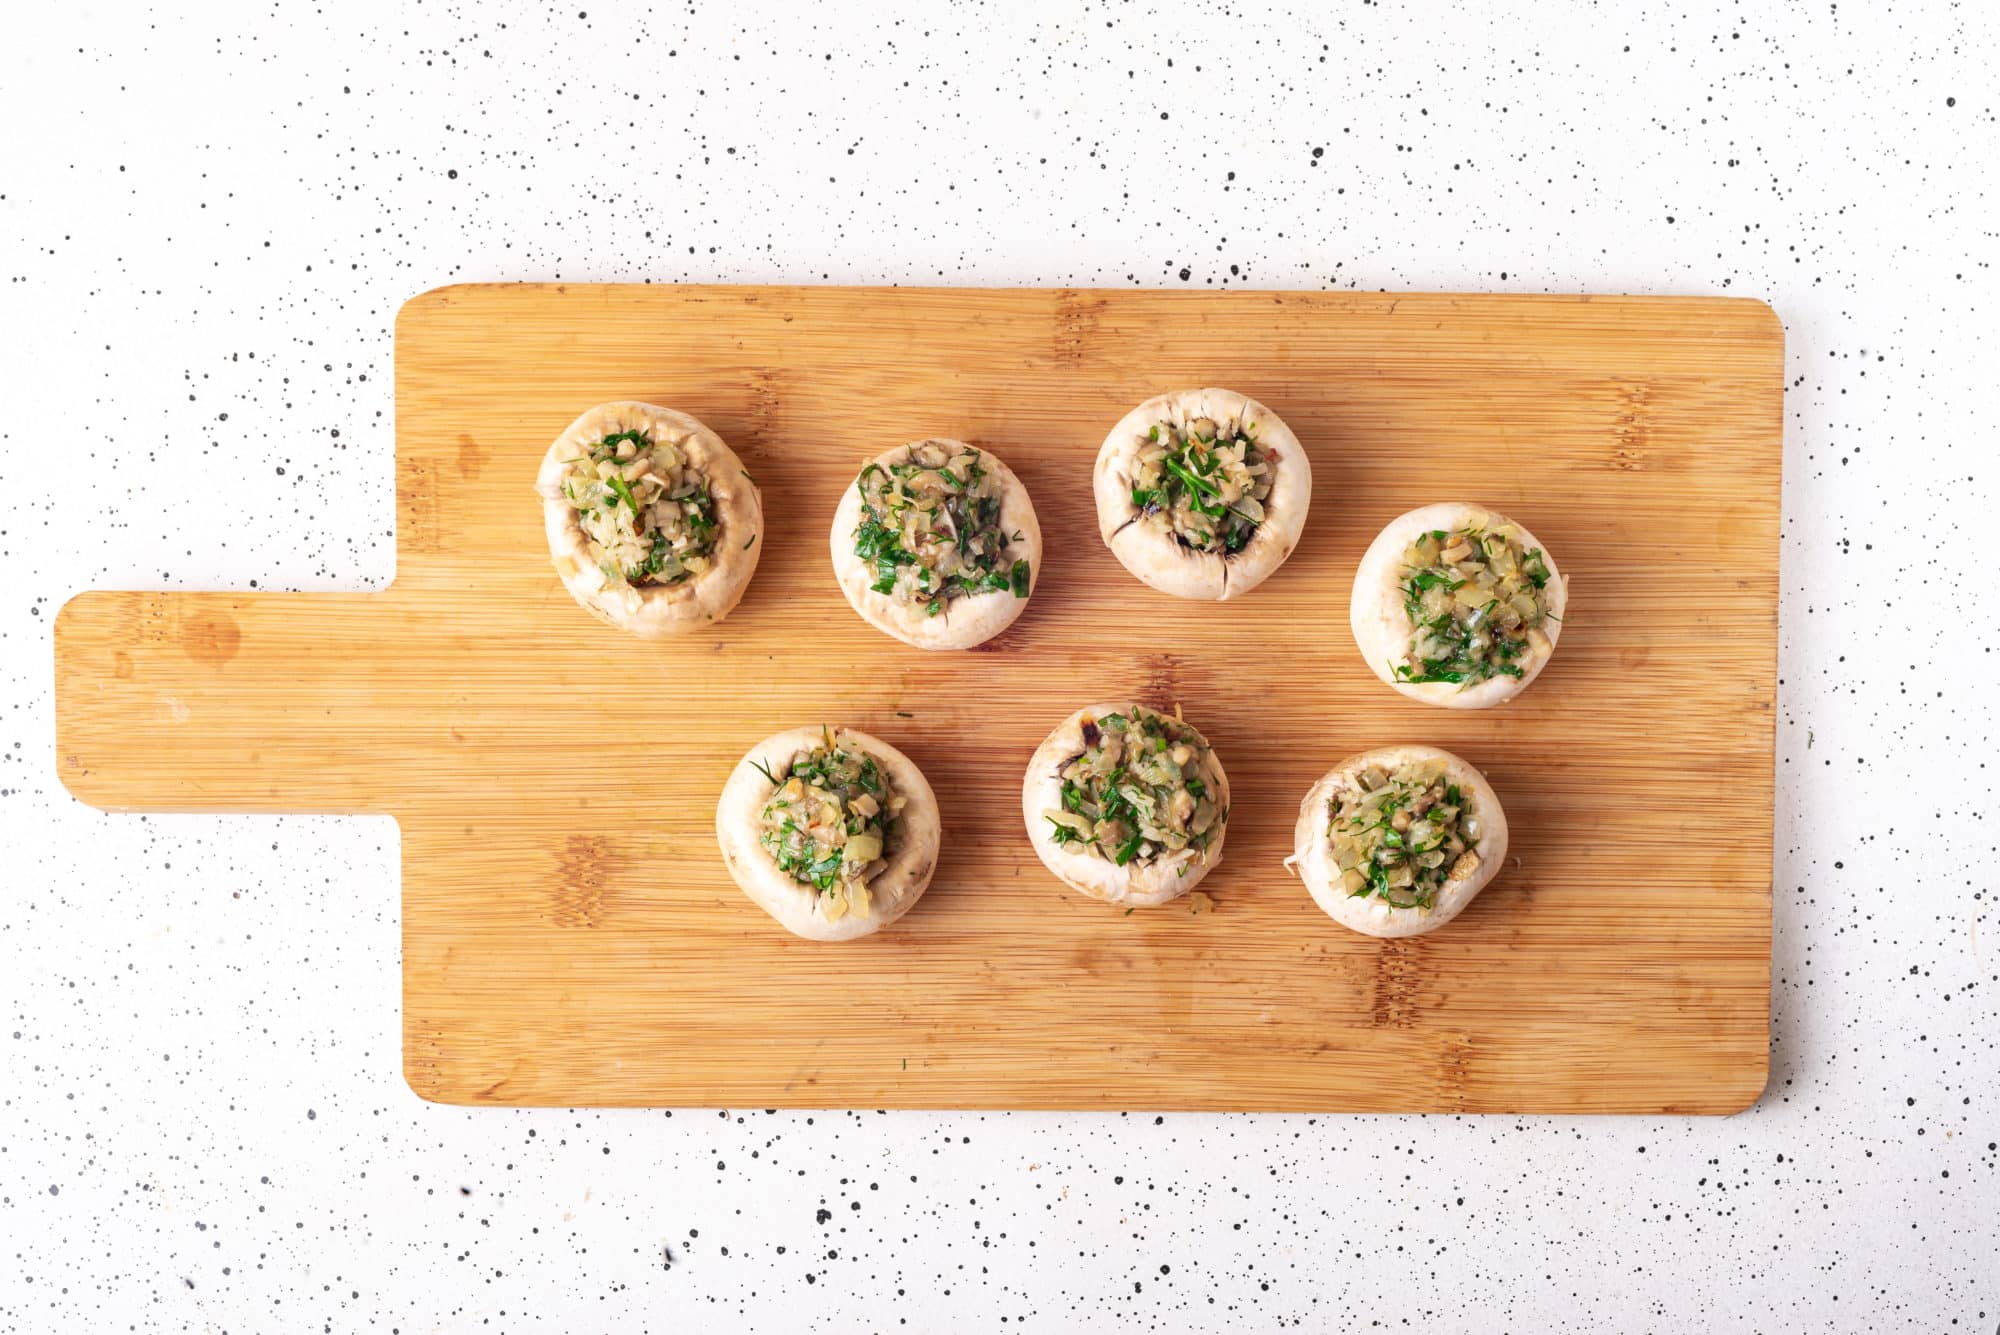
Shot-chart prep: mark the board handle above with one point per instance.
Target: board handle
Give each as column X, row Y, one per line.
column 227, row 702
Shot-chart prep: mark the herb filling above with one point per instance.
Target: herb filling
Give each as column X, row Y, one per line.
column 1403, row 834
column 831, row 823
column 930, row 527
column 1145, row 786
column 1475, row 602
column 1205, row 483
column 646, row 508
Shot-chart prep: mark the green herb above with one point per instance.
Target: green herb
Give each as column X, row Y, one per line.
column 1128, row 848
column 1454, row 642
column 1137, row 785
column 1404, row 868
column 959, row 551
column 655, row 562
column 878, row 544
column 699, row 513
column 1188, row 475
column 1186, row 487
column 676, row 536
column 1536, row 568
column 819, row 811
column 624, row 490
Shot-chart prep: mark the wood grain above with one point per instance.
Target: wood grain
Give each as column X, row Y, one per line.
column 570, row 936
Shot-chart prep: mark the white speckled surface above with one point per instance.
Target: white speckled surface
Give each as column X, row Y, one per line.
column 205, row 228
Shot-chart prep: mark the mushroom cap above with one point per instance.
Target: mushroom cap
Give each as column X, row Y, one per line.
column 670, row 609
column 892, row 891
column 1382, row 627
column 963, row 622
column 1141, row 884
column 1156, row 556
column 1312, row 851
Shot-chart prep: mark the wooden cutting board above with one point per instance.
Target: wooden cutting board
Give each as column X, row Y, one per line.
column 570, row 936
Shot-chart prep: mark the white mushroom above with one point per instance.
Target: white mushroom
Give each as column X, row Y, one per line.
column 1167, row 818
column 1195, row 513
column 653, row 567
column 848, row 883
column 1500, row 626
column 916, row 573
column 1425, row 876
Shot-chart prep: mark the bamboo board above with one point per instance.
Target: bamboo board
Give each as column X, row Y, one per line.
column 570, row 936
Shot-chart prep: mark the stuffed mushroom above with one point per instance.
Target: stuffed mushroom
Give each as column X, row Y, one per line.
column 1457, row 606
column 653, row 524
column 1126, row 804
column 1397, row 841
column 936, row 544
column 1203, row 493
column 831, row 831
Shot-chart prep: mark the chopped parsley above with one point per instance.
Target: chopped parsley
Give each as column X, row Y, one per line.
column 1204, row 482
column 930, row 528
column 1402, row 835
column 831, row 819
column 1141, row 789
column 645, row 507
column 1474, row 599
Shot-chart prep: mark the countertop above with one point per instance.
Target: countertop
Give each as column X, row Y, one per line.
column 207, row 223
